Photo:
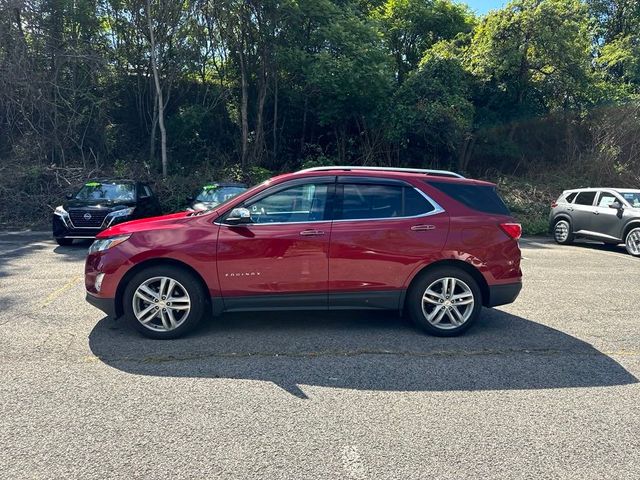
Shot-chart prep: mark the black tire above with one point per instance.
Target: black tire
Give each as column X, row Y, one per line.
column 198, row 297
column 631, row 242
column 428, row 278
column 64, row 242
column 557, row 232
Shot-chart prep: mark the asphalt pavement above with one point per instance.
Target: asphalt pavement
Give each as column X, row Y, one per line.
column 544, row 388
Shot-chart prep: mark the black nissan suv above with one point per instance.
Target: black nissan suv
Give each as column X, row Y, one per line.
column 100, row 204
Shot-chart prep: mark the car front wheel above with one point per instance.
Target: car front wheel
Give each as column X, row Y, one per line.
column 445, row 301
column 632, row 242
column 164, row 302
column 562, row 233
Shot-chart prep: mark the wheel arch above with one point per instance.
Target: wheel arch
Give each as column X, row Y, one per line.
column 630, row 226
column 562, row 216
column 462, row 265
column 155, row 262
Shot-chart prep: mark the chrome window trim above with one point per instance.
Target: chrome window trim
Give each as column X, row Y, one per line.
column 437, row 209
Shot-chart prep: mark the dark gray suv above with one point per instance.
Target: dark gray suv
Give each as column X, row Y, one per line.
column 610, row 215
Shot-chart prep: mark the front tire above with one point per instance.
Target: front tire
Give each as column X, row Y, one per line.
column 64, row 242
column 444, row 302
column 562, row 232
column 164, row 302
column 632, row 242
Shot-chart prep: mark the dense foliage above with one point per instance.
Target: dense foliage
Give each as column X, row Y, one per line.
column 169, row 88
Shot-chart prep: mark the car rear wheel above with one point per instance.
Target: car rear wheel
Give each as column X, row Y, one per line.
column 64, row 242
column 562, row 233
column 632, row 242
column 164, row 302
column 444, row 301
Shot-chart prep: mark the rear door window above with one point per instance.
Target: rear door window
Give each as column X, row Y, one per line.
column 482, row 198
column 368, row 201
column 585, row 198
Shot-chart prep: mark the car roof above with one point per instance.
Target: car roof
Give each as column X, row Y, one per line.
column 228, row 184
column 612, row 189
column 389, row 172
column 112, row 180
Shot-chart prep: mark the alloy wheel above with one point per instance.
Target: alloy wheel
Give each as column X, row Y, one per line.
column 561, row 231
column 633, row 242
column 161, row 304
column 447, row 303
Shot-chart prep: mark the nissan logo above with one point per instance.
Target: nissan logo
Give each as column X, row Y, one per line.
column 87, row 216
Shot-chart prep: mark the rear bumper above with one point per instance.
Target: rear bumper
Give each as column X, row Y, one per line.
column 503, row 294
column 107, row 305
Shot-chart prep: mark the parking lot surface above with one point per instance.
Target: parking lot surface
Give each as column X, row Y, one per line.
column 544, row 388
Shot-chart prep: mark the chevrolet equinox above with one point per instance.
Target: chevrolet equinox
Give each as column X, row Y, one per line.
column 428, row 242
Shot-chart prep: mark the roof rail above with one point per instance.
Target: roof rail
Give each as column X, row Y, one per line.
column 441, row 173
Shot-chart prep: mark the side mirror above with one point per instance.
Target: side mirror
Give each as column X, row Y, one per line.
column 616, row 205
column 239, row 216
column 69, row 196
column 190, row 199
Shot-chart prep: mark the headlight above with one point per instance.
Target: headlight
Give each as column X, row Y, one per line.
column 102, row 244
column 60, row 211
column 125, row 212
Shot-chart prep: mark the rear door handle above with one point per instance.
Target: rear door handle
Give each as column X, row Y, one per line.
column 422, row 228
column 311, row 233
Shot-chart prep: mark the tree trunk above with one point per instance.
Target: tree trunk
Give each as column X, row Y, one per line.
column 275, row 115
column 304, row 124
column 244, row 103
column 159, row 96
column 262, row 95
column 154, row 129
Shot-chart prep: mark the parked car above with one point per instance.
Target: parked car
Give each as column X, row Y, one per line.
column 101, row 204
column 429, row 242
column 609, row 215
column 213, row 194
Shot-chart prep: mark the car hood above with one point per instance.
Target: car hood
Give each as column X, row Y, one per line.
column 98, row 204
column 164, row 222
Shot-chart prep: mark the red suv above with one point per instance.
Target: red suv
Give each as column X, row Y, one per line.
column 426, row 241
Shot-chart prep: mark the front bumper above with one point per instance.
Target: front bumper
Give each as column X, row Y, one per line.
column 503, row 294
column 107, row 305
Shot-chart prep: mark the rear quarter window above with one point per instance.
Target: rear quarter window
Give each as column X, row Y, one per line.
column 482, row 198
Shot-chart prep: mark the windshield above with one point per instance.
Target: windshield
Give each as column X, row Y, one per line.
column 107, row 191
column 633, row 198
column 218, row 194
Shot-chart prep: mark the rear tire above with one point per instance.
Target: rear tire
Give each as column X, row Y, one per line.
column 444, row 301
column 164, row 302
column 562, row 232
column 632, row 242
column 64, row 242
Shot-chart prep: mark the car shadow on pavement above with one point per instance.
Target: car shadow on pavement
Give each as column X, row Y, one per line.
column 364, row 351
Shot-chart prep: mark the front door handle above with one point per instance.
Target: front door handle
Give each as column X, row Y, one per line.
column 311, row 233
column 422, row 228
column 596, row 212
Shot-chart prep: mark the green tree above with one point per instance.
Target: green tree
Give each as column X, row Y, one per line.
column 410, row 27
column 432, row 112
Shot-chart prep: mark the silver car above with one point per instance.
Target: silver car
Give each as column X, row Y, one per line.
column 609, row 215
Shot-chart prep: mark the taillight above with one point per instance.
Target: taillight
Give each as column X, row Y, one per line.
column 554, row 204
column 514, row 230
